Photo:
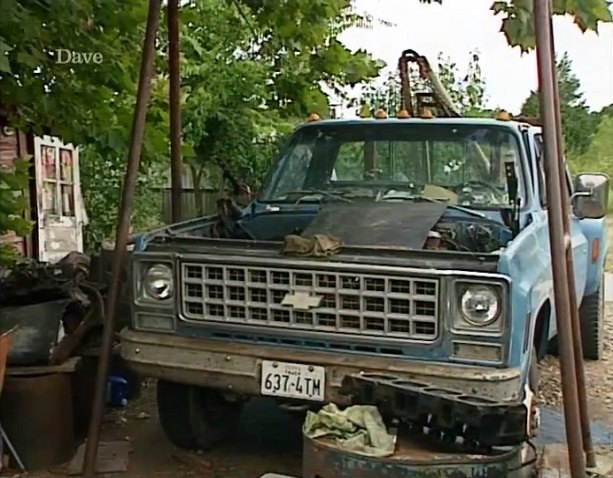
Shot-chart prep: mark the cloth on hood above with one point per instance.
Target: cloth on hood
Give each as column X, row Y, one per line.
column 358, row 429
column 320, row 245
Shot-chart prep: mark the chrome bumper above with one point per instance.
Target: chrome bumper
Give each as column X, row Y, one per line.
column 236, row 367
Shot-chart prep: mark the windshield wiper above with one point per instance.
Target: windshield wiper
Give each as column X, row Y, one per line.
column 440, row 201
column 314, row 192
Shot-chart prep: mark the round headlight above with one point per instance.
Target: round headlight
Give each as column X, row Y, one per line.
column 480, row 305
column 158, row 282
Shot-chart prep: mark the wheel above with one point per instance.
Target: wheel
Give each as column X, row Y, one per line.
column 591, row 317
column 195, row 418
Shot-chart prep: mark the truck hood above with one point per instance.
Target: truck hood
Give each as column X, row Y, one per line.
column 374, row 233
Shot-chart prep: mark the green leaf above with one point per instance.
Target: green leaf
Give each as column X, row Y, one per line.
column 4, row 59
column 499, row 7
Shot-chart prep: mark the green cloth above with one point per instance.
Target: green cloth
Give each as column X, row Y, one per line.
column 359, row 429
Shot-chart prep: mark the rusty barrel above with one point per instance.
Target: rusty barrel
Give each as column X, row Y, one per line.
column 36, row 412
column 413, row 459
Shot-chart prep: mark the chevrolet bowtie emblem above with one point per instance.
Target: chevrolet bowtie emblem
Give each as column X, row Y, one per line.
column 301, row 300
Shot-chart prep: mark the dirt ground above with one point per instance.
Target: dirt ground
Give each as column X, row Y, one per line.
column 268, row 440
column 599, row 376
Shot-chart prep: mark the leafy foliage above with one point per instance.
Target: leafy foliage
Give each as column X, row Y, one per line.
column 43, row 93
column 467, row 90
column 599, row 154
column 249, row 74
column 298, row 41
column 518, row 17
column 382, row 93
column 578, row 124
column 13, row 205
column 91, row 104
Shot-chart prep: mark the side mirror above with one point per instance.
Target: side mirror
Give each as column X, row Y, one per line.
column 591, row 197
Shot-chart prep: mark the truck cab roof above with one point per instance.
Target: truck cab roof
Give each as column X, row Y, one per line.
column 455, row 121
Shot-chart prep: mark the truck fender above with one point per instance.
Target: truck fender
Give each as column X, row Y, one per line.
column 542, row 327
column 596, row 233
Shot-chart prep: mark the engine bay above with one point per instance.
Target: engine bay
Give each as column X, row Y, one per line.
column 414, row 226
column 468, row 236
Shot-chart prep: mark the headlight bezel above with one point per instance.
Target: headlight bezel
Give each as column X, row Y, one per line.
column 165, row 273
column 462, row 324
column 494, row 309
column 144, row 296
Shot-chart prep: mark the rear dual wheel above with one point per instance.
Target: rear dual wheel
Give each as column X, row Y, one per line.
column 591, row 323
column 591, row 317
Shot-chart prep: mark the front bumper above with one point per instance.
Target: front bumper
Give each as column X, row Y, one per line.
column 236, row 367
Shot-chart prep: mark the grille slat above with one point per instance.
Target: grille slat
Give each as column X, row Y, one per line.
column 362, row 304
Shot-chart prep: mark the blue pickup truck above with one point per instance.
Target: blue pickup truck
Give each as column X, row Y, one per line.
column 402, row 262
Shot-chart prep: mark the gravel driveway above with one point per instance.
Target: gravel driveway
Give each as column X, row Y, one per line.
column 599, row 378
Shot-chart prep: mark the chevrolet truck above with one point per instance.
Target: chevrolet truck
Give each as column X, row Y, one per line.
column 398, row 261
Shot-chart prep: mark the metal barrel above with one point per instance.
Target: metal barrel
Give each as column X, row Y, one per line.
column 413, row 458
column 37, row 415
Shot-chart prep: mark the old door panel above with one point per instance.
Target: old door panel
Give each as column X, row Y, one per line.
column 60, row 208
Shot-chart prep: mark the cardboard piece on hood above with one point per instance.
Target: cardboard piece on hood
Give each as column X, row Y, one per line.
column 404, row 224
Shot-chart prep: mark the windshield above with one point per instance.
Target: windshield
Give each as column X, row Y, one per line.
column 461, row 164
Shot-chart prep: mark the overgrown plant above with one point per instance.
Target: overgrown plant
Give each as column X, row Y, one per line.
column 13, row 205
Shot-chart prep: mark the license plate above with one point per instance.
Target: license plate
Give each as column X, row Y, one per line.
column 293, row 380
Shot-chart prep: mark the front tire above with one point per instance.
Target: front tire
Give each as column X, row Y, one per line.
column 591, row 317
column 195, row 418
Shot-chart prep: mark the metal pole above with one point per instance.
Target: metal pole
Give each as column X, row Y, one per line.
column 175, row 109
column 558, row 240
column 121, row 238
column 588, row 445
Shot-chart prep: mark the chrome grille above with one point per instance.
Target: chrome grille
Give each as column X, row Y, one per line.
column 353, row 303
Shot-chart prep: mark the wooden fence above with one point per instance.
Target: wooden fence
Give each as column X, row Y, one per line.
column 193, row 203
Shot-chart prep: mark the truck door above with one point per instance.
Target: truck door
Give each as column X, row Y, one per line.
column 60, row 212
column 579, row 243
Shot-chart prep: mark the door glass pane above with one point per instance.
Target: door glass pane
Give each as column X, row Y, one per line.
column 66, row 165
column 67, row 200
column 48, row 160
column 49, row 197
